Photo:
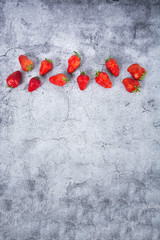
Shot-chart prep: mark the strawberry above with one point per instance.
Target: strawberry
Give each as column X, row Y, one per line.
column 34, row 83
column 82, row 80
column 103, row 79
column 26, row 64
column 14, row 79
column 137, row 71
column 131, row 85
column 59, row 79
column 112, row 66
column 73, row 62
column 46, row 66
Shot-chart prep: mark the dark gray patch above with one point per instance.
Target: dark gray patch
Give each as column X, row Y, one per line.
column 107, row 202
column 149, row 214
column 34, row 236
column 25, row 23
column 31, row 185
column 111, row 1
column 149, row 105
column 25, row 87
column 141, row 30
column 133, row 216
column 42, row 174
column 40, row 196
column 156, row 124
column 54, row 236
column 8, row 204
column 3, row 187
column 92, row 37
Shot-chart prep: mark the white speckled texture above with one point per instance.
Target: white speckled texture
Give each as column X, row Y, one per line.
column 80, row 165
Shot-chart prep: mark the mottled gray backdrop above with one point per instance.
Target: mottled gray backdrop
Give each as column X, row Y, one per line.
column 80, row 165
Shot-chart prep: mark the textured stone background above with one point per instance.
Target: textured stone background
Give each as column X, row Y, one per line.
column 80, row 165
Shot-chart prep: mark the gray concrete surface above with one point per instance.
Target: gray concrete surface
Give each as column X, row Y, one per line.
column 80, row 165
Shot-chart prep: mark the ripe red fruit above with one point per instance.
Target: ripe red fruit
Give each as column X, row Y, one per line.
column 131, row 85
column 82, row 80
column 34, row 83
column 73, row 62
column 112, row 65
column 46, row 66
column 59, row 79
column 14, row 79
column 26, row 64
column 103, row 79
column 137, row 71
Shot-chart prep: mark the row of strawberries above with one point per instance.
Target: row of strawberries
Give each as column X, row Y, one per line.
column 102, row 78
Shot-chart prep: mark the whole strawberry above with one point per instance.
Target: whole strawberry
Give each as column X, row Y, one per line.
column 73, row 62
column 137, row 71
column 46, row 66
column 82, row 80
column 26, row 64
column 103, row 79
column 34, row 83
column 59, row 79
column 112, row 65
column 14, row 79
column 131, row 85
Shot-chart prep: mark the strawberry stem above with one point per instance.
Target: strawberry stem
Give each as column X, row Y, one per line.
column 83, row 73
column 108, row 59
column 65, row 79
column 136, row 89
column 48, row 60
column 77, row 55
column 143, row 75
column 29, row 67
column 97, row 73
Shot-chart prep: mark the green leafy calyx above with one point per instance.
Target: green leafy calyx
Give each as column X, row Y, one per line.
column 9, row 86
column 37, row 78
column 137, row 89
column 29, row 67
column 77, row 55
column 48, row 60
column 108, row 59
column 65, row 79
column 97, row 73
column 83, row 73
column 143, row 75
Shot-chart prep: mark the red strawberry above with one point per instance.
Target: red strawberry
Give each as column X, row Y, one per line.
column 137, row 71
column 26, row 64
column 131, row 85
column 73, row 62
column 46, row 66
column 83, row 80
column 112, row 66
column 14, row 79
column 34, row 83
column 59, row 79
column 103, row 79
